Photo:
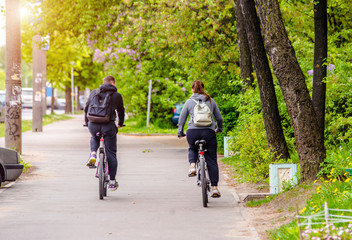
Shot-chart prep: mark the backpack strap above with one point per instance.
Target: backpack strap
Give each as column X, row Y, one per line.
column 199, row 101
column 195, row 100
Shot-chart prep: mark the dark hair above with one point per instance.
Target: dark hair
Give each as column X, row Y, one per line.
column 198, row 87
column 109, row 80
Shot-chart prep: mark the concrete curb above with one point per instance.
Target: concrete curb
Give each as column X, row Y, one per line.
column 242, row 209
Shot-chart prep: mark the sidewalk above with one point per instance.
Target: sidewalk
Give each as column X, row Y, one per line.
column 156, row 199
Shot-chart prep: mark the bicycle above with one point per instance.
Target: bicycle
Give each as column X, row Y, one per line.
column 202, row 171
column 103, row 168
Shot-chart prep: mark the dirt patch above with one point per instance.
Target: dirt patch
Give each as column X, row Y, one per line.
column 281, row 210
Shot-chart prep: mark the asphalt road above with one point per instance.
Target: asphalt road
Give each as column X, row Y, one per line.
column 156, row 199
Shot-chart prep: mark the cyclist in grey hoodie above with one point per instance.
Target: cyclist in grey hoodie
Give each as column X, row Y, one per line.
column 195, row 133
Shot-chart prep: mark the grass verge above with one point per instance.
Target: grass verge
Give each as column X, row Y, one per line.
column 132, row 127
column 27, row 124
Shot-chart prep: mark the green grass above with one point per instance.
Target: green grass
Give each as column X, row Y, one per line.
column 27, row 124
column 26, row 165
column 256, row 203
column 132, row 127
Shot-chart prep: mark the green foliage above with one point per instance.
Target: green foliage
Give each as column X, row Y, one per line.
column 2, row 79
column 336, row 161
column 339, row 103
column 250, row 142
column 26, row 165
column 135, row 127
column 249, row 138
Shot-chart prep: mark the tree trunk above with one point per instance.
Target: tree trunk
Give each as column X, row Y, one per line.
column 13, row 78
column 243, row 47
column 68, row 106
column 52, row 101
column 272, row 122
column 310, row 145
column 320, row 55
column 78, row 105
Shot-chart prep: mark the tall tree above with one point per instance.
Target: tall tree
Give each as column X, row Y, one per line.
column 243, row 49
column 320, row 55
column 272, row 123
column 68, row 100
column 310, row 145
column 13, row 115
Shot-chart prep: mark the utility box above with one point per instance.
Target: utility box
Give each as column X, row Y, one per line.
column 282, row 172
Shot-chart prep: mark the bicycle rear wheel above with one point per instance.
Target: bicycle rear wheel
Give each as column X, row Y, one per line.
column 101, row 176
column 203, row 182
column 106, row 179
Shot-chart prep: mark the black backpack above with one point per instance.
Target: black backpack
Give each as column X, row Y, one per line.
column 99, row 109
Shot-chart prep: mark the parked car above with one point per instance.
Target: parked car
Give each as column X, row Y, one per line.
column 82, row 102
column 2, row 97
column 176, row 112
column 2, row 106
column 10, row 167
column 27, row 97
column 48, row 102
column 61, row 103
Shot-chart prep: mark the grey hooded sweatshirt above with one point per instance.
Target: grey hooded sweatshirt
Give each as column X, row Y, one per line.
column 188, row 109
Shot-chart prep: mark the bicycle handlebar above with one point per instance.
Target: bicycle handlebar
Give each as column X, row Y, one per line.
column 86, row 125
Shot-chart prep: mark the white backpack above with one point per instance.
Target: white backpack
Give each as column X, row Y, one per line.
column 202, row 116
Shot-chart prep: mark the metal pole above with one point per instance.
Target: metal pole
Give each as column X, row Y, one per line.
column 13, row 117
column 326, row 212
column 37, row 108
column 72, row 91
column 43, row 56
column 149, row 100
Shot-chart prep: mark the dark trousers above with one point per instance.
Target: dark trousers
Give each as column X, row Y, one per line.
column 109, row 130
column 210, row 155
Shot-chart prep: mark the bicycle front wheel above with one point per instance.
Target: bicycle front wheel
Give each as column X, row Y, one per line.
column 203, row 181
column 101, row 176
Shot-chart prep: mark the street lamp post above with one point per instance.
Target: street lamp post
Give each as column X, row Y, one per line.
column 149, row 101
column 72, row 91
column 72, row 88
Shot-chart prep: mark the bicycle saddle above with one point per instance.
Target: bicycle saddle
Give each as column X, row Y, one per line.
column 100, row 134
column 200, row 142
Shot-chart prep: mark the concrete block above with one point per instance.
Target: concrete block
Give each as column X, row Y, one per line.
column 280, row 172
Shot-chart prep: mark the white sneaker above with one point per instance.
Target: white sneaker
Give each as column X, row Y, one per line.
column 113, row 185
column 192, row 171
column 92, row 159
column 215, row 193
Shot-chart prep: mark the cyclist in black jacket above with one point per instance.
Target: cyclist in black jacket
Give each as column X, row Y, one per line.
column 108, row 129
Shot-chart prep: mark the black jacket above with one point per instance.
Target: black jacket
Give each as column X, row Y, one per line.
column 116, row 103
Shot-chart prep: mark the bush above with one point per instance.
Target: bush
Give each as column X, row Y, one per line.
column 252, row 153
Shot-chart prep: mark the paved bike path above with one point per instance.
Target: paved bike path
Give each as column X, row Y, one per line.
column 156, row 199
